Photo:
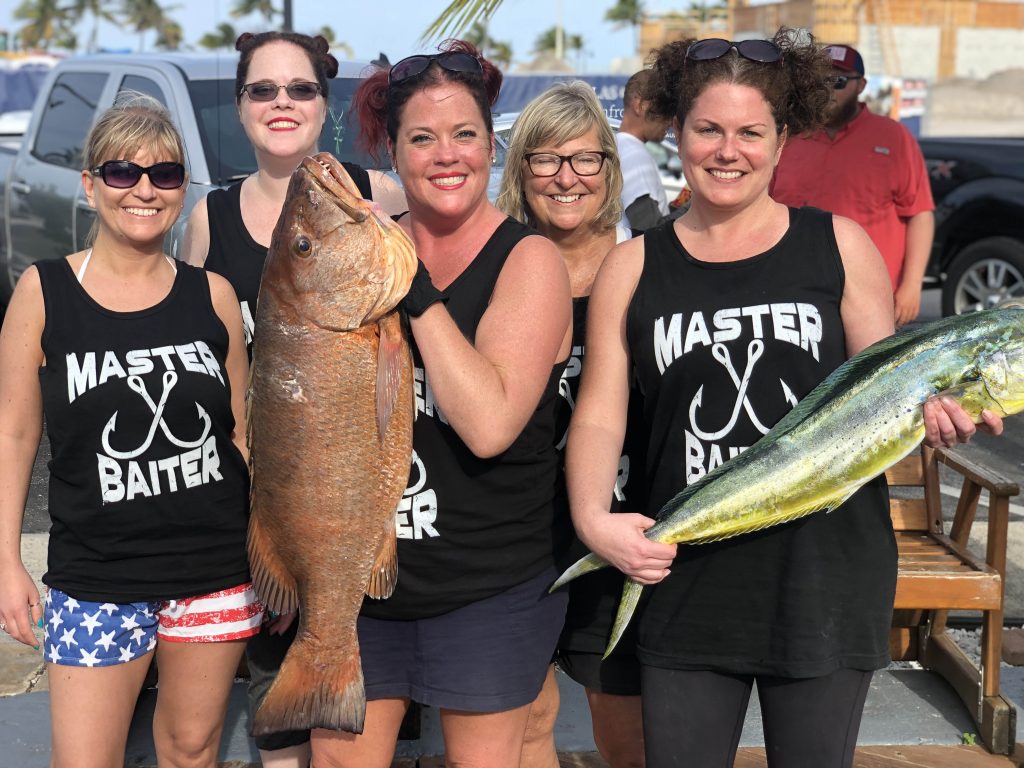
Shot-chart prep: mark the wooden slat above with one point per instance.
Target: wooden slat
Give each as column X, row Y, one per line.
column 903, row 643
column 943, row 655
column 907, row 471
column 967, row 590
column 909, row 515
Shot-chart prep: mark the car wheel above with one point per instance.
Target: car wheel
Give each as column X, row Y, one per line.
column 984, row 274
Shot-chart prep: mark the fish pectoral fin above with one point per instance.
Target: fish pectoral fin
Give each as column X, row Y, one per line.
column 384, row 574
column 974, row 397
column 390, row 353
column 270, row 577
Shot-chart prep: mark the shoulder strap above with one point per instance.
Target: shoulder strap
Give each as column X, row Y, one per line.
column 361, row 178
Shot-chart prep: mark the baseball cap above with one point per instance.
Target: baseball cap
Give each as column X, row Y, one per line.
column 846, row 58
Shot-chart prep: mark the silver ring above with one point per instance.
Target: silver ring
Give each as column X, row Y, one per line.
column 3, row 626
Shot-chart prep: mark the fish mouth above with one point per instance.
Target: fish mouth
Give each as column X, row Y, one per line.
column 330, row 174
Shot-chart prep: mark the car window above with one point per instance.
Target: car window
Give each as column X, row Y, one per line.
column 143, row 85
column 67, row 118
column 228, row 152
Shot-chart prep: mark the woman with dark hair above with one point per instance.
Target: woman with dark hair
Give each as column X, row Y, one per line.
column 281, row 86
column 562, row 176
column 727, row 316
column 470, row 628
column 138, row 362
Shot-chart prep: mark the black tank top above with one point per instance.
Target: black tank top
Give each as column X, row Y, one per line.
column 801, row 599
column 233, row 253
column 148, row 495
column 592, row 600
column 468, row 527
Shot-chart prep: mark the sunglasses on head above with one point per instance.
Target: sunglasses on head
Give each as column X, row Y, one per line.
column 124, row 174
column 453, row 61
column 762, row 51
column 839, row 81
column 300, row 90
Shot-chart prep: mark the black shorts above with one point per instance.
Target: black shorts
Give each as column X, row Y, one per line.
column 488, row 656
column 619, row 674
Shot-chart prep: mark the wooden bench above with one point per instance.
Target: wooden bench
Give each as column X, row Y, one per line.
column 938, row 573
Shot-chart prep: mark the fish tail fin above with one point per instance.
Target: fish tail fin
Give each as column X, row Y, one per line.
column 631, row 592
column 270, row 577
column 584, row 565
column 305, row 695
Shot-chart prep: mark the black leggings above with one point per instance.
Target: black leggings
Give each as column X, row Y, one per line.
column 694, row 718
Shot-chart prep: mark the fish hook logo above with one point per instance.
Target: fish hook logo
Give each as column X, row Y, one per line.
column 566, row 392
column 721, row 353
column 136, row 384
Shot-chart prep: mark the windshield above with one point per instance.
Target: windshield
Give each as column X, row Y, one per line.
column 229, row 155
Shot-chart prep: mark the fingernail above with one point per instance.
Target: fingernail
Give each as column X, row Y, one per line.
column 273, row 614
column 39, row 623
column 35, row 647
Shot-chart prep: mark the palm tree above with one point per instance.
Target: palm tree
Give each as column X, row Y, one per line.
column 95, row 8
column 143, row 15
column 547, row 41
column 47, row 23
column 224, row 37
column 170, row 35
column 627, row 13
column 498, row 51
column 265, row 8
column 459, row 16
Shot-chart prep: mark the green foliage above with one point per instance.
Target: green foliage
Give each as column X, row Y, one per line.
column 970, row 739
column 48, row 23
column 224, row 37
column 625, row 13
column 498, row 51
column 458, row 17
column 264, row 8
column 547, row 41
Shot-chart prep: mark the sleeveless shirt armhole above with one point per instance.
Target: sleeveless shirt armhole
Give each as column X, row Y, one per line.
column 833, row 246
column 45, row 273
column 204, row 282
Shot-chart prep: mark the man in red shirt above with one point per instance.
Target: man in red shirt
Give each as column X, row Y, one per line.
column 868, row 168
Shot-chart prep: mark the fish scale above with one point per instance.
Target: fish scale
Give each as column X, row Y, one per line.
column 330, row 435
column 857, row 423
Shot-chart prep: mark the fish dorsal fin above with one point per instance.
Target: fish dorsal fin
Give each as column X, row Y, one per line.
column 384, row 573
column 389, row 369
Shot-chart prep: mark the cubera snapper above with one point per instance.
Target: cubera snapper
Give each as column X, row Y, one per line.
column 857, row 423
column 330, row 436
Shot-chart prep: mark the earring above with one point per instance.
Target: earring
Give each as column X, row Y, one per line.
column 494, row 159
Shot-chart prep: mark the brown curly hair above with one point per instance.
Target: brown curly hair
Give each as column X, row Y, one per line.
column 798, row 88
column 317, row 50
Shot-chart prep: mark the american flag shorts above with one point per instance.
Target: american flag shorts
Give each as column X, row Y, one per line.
column 82, row 633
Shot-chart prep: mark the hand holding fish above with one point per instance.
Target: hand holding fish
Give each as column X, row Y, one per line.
column 619, row 540
column 946, row 424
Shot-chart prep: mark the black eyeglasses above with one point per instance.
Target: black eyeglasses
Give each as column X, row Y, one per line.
column 839, row 81
column 549, row 164
column 300, row 90
column 762, row 51
column 124, row 174
column 453, row 61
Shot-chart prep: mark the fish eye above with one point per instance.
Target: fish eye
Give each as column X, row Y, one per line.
column 303, row 247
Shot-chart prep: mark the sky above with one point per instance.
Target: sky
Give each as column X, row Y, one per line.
column 396, row 29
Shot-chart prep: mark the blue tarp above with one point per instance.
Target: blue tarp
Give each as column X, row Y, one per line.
column 518, row 90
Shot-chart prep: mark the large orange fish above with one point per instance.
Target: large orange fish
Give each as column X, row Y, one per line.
column 330, row 436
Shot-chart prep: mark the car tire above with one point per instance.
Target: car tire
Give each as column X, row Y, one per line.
column 983, row 274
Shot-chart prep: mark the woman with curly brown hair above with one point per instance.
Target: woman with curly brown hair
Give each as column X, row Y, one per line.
column 726, row 317
column 470, row 628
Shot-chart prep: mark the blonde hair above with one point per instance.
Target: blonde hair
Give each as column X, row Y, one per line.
column 564, row 111
column 136, row 121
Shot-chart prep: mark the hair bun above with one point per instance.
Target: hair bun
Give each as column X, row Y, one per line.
column 243, row 38
column 330, row 65
column 321, row 44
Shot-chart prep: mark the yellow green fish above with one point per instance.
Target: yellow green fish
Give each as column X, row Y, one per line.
column 857, row 423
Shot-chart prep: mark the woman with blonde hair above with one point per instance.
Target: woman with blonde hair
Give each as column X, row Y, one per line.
column 139, row 364
column 562, row 177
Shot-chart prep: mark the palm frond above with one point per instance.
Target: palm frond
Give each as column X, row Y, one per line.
column 459, row 16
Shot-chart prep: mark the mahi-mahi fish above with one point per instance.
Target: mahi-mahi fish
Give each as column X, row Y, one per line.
column 857, row 423
column 330, row 436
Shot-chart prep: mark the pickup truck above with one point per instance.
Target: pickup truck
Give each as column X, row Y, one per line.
column 978, row 253
column 43, row 211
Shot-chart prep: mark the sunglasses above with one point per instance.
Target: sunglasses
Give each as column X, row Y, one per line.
column 545, row 164
column 453, row 61
column 762, row 51
column 124, row 174
column 300, row 90
column 839, row 81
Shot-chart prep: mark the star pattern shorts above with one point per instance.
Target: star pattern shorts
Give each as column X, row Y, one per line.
column 81, row 633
